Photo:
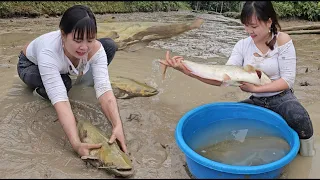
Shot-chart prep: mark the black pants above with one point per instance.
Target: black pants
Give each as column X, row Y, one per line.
column 30, row 75
column 287, row 105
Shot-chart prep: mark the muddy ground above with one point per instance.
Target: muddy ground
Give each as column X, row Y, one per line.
column 33, row 145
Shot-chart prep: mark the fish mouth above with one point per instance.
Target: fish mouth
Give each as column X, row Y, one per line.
column 153, row 92
column 122, row 172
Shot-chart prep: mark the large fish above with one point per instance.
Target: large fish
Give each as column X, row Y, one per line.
column 228, row 74
column 109, row 157
column 125, row 88
column 252, row 151
column 136, row 35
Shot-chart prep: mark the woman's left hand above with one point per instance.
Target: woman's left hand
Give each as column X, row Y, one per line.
column 248, row 87
column 117, row 133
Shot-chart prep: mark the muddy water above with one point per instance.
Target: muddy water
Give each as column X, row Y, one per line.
column 33, row 144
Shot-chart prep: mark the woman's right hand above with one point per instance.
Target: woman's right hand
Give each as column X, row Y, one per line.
column 176, row 63
column 83, row 149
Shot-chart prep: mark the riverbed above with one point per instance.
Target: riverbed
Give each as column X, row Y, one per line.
column 33, row 144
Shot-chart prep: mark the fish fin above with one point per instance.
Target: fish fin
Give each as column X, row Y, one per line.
column 163, row 66
column 125, row 96
column 108, row 167
column 249, row 68
column 226, row 77
column 89, row 157
column 94, row 161
column 226, row 80
column 121, row 173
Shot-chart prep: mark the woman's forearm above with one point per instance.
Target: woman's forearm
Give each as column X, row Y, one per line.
column 68, row 122
column 110, row 108
column 274, row 86
column 208, row 81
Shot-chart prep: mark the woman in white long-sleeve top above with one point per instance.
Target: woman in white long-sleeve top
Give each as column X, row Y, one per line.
column 46, row 63
column 274, row 53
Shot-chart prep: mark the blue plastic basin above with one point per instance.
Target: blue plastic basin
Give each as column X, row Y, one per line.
column 202, row 116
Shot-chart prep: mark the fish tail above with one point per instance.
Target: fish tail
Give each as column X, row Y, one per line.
column 163, row 66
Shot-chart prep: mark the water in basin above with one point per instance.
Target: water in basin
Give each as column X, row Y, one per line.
column 242, row 142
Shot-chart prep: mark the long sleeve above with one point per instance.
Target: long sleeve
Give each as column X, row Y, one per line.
column 51, row 78
column 100, row 73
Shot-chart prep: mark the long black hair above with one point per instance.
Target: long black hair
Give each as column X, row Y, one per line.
column 79, row 19
column 263, row 10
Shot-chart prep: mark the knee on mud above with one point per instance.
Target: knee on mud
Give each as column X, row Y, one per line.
column 297, row 118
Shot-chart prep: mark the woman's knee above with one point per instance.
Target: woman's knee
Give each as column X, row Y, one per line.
column 31, row 77
column 110, row 48
column 248, row 101
column 297, row 118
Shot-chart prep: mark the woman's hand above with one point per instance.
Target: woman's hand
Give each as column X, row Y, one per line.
column 248, row 87
column 110, row 109
column 117, row 133
column 83, row 149
column 176, row 63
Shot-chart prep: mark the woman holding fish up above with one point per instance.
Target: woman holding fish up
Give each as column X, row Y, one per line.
column 46, row 63
column 272, row 52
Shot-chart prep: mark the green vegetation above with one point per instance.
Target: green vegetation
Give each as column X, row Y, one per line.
column 53, row 8
column 309, row 10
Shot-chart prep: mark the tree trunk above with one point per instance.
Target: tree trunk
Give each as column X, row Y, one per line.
column 316, row 31
column 221, row 6
column 197, row 5
column 306, row 27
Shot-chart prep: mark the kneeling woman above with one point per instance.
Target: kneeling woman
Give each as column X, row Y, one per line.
column 46, row 63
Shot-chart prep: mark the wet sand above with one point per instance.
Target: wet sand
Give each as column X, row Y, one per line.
column 33, row 145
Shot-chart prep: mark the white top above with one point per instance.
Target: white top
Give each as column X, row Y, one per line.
column 277, row 63
column 46, row 51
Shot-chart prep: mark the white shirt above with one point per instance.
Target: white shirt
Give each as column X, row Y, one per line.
column 277, row 63
column 46, row 51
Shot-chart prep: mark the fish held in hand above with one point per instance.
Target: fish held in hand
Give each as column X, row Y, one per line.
column 109, row 157
column 227, row 74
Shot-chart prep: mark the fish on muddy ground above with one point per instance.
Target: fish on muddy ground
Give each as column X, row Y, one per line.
column 125, row 88
column 109, row 157
column 228, row 74
column 133, row 36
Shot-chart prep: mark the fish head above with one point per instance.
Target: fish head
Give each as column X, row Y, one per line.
column 146, row 90
column 125, row 88
column 109, row 157
column 264, row 79
column 115, row 161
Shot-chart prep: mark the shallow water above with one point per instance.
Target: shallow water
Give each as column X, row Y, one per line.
column 243, row 142
column 252, row 151
column 34, row 146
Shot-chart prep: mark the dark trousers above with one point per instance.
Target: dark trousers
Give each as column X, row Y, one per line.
column 287, row 105
column 30, row 75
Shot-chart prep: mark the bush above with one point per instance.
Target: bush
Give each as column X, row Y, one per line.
column 309, row 10
column 53, row 8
